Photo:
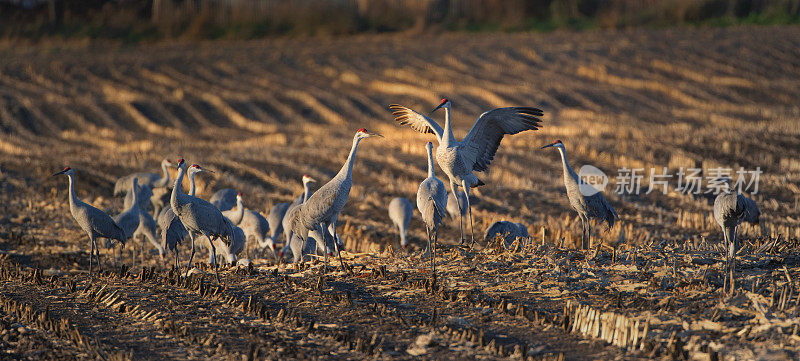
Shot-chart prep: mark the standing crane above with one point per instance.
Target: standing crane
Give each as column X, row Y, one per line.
column 295, row 207
column 400, row 211
column 128, row 219
column 96, row 223
column 172, row 230
column 152, row 180
column 321, row 209
column 432, row 205
column 593, row 205
column 143, row 194
column 459, row 159
column 235, row 214
column 199, row 216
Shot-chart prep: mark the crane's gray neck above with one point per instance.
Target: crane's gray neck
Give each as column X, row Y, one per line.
column 73, row 198
column 191, row 184
column 165, row 171
column 347, row 168
column 306, row 191
column 176, row 190
column 447, row 138
column 568, row 172
column 429, row 150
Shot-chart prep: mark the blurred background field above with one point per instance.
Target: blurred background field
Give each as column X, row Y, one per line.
column 149, row 20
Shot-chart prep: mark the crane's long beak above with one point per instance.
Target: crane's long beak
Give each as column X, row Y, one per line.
column 312, row 180
column 548, row 146
column 375, row 135
column 61, row 172
column 437, row 108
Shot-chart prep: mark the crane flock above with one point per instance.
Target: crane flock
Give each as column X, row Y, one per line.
column 225, row 227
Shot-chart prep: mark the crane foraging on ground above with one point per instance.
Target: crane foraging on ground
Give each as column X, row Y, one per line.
column 256, row 227
column 510, row 231
column 584, row 199
column 96, row 223
column 322, row 208
column 459, row 159
column 731, row 209
column 172, row 230
column 400, row 211
column 432, row 205
column 199, row 216
column 275, row 220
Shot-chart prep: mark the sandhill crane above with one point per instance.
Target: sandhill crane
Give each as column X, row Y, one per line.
column 400, row 211
column 235, row 214
column 432, row 205
column 128, row 219
column 294, row 207
column 510, row 231
column 151, row 180
column 320, row 210
column 256, row 227
column 456, row 207
column 730, row 209
column 228, row 250
column 593, row 205
column 143, row 194
column 459, row 159
column 224, row 199
column 96, row 223
column 134, row 220
column 199, row 216
column 172, row 230
column 275, row 220
column 306, row 190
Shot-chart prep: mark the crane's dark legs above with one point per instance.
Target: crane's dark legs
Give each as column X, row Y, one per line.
column 176, row 258
column 453, row 188
column 338, row 251
column 213, row 256
column 191, row 256
column 91, row 254
column 97, row 250
column 469, row 209
column 324, row 246
column 433, row 252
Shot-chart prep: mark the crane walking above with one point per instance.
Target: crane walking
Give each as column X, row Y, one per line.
column 172, row 230
column 432, row 205
column 199, row 216
column 400, row 211
column 322, row 208
column 593, row 205
column 459, row 159
column 96, row 223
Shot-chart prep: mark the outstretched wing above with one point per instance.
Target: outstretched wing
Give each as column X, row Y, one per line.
column 481, row 144
column 417, row 121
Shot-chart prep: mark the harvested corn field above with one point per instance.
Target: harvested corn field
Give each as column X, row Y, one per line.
column 261, row 114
